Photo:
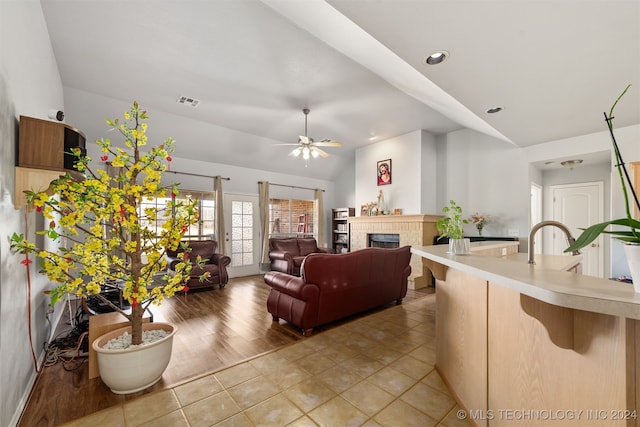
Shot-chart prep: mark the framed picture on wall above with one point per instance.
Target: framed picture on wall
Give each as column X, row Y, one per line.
column 384, row 172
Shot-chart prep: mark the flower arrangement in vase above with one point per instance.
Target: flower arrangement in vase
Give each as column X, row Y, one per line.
column 103, row 233
column 479, row 221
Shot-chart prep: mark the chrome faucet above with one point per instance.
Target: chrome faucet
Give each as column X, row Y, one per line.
column 538, row 226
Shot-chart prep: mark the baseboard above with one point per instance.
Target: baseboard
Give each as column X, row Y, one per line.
column 24, row 400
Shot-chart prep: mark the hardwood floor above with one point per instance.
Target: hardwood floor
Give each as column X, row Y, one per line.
column 217, row 328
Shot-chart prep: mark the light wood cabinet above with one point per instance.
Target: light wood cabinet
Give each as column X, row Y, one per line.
column 43, row 144
column 31, row 179
column 44, row 154
column 500, row 351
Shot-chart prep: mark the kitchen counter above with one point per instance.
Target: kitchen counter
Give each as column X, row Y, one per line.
column 547, row 280
column 535, row 345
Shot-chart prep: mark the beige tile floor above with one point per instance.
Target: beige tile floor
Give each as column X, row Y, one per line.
column 377, row 370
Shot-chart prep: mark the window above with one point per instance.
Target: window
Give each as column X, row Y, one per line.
column 203, row 229
column 289, row 217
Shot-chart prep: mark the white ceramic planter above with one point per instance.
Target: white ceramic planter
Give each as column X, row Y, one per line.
column 134, row 369
column 632, row 251
column 459, row 246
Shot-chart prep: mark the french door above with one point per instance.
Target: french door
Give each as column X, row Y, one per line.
column 242, row 234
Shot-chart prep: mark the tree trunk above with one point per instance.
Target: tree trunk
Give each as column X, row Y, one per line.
column 135, row 318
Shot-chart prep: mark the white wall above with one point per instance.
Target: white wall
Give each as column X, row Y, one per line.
column 345, row 188
column 479, row 172
column 486, row 175
column 412, row 157
column 29, row 85
column 428, row 174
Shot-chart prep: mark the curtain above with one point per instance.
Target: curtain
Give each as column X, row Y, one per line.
column 263, row 190
column 219, row 220
column 319, row 219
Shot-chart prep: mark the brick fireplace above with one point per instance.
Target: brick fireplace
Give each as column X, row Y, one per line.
column 413, row 230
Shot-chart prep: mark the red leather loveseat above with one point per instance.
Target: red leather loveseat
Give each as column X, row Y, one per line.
column 287, row 253
column 216, row 264
column 334, row 286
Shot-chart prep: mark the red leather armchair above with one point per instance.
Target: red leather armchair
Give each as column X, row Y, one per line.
column 336, row 286
column 216, row 264
column 287, row 254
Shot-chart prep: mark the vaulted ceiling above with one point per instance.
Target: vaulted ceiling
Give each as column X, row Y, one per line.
column 358, row 65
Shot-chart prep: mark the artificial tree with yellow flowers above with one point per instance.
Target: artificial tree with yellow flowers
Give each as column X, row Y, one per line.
column 103, row 232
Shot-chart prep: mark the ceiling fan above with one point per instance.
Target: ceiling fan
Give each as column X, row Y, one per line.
column 308, row 147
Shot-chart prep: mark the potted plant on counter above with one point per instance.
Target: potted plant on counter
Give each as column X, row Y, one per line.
column 451, row 226
column 103, row 234
column 628, row 230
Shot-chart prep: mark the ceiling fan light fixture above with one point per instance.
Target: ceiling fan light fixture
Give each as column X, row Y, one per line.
column 308, row 147
column 571, row 164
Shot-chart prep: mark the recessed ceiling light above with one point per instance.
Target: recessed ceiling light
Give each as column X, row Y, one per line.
column 437, row 57
column 495, row 110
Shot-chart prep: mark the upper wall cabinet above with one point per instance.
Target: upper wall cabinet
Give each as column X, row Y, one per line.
column 44, row 144
column 44, row 154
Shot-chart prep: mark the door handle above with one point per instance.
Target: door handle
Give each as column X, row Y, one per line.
column 595, row 245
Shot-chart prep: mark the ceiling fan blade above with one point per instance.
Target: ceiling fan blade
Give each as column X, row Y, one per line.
column 321, row 152
column 328, row 143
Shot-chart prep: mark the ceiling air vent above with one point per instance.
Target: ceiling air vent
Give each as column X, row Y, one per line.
column 186, row 100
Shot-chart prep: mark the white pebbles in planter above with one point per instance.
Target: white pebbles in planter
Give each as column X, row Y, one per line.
column 124, row 340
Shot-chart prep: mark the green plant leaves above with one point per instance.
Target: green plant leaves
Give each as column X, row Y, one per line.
column 591, row 233
column 452, row 224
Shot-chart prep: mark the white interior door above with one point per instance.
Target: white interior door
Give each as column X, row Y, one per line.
column 579, row 206
column 242, row 234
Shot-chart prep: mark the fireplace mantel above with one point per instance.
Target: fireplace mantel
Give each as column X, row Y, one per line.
column 414, row 230
column 394, row 218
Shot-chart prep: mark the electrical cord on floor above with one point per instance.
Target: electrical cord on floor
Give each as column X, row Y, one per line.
column 71, row 358
column 69, row 348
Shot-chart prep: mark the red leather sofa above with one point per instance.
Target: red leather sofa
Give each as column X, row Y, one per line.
column 334, row 286
column 216, row 264
column 287, row 253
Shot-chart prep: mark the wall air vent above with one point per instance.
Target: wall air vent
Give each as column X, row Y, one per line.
column 186, row 100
